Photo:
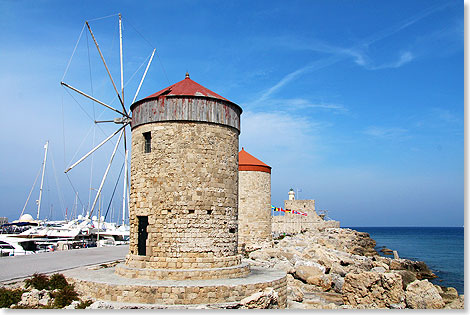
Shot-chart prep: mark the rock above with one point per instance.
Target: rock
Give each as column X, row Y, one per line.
column 387, row 251
column 72, row 305
column 259, row 255
column 406, row 276
column 304, row 270
column 362, row 244
column 448, row 294
column 295, row 294
column 378, row 269
column 312, row 273
column 273, row 253
column 287, row 255
column 337, row 283
column 372, row 289
column 285, row 266
column 420, row 268
column 421, row 294
column 439, row 289
column 396, row 264
column 266, row 299
column 289, row 278
column 380, row 264
column 319, row 305
column 322, row 281
column 337, row 269
column 398, row 306
column 293, row 305
column 456, row 304
column 35, row 298
column 100, row 305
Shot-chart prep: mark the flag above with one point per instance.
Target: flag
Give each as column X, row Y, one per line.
column 273, row 208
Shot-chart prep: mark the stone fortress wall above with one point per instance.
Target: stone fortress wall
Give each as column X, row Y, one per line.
column 295, row 223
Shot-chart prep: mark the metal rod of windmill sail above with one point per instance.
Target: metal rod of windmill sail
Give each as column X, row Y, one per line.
column 92, row 98
column 105, row 175
column 143, row 77
column 124, row 193
column 107, row 69
column 95, row 148
column 122, row 65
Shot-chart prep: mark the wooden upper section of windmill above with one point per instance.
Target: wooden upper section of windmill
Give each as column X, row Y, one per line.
column 247, row 162
column 186, row 100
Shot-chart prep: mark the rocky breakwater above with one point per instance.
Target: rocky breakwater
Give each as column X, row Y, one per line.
column 339, row 268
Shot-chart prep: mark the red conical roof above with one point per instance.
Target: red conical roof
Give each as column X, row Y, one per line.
column 187, row 87
column 247, row 162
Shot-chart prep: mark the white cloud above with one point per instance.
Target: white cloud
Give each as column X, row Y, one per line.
column 359, row 55
column 445, row 115
column 302, row 103
column 281, row 136
column 317, row 65
column 384, row 132
column 356, row 51
column 405, row 58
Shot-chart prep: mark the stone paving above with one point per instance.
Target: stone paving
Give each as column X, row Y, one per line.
column 107, row 275
column 18, row 267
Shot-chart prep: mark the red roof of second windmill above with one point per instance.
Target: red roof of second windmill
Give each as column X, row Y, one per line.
column 187, row 87
column 247, row 162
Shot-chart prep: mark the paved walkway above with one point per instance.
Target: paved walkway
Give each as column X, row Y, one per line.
column 18, row 267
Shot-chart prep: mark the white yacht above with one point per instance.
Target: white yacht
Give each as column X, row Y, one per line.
column 11, row 245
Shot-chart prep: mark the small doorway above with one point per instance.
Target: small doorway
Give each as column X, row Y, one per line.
column 142, row 236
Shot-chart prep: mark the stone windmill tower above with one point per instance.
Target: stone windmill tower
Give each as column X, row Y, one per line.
column 184, row 185
column 183, row 207
column 254, row 201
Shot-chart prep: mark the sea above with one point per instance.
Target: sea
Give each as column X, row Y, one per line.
column 441, row 248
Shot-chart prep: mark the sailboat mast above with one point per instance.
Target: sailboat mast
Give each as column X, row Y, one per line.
column 42, row 177
column 75, row 206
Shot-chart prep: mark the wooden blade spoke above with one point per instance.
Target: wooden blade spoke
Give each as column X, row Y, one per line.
column 95, row 148
column 105, row 175
column 92, row 98
column 107, row 69
column 143, row 77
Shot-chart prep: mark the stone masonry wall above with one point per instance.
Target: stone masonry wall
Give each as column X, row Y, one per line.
column 181, row 293
column 254, row 207
column 188, row 187
column 295, row 223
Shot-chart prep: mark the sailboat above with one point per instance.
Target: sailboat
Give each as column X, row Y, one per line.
column 28, row 235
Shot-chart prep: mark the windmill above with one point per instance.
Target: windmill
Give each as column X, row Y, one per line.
column 123, row 119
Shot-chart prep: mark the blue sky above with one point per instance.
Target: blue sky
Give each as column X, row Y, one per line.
column 357, row 103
